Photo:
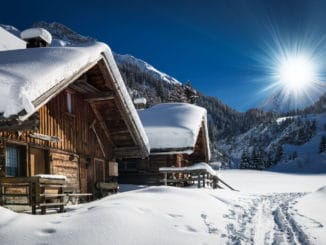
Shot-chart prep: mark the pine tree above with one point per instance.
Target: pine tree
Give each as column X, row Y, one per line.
column 255, row 159
column 279, row 154
column 245, row 162
column 322, row 145
column 269, row 161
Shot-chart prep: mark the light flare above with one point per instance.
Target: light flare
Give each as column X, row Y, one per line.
column 296, row 73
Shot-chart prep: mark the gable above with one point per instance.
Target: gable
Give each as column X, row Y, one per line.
column 33, row 77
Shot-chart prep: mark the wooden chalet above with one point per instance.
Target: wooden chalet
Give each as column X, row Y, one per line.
column 178, row 137
column 66, row 112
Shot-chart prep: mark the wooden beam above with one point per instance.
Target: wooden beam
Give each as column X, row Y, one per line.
column 102, row 123
column 82, row 86
column 99, row 97
column 92, row 126
column 119, row 132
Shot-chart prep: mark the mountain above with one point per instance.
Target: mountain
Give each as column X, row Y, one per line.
column 293, row 143
column 232, row 133
column 13, row 30
column 144, row 67
column 282, row 102
column 62, row 35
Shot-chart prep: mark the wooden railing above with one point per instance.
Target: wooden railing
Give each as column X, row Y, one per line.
column 35, row 191
column 188, row 177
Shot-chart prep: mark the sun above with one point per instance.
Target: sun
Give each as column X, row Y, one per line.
column 296, row 73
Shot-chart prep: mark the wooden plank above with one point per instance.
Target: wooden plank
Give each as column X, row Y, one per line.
column 98, row 138
column 102, row 123
column 51, row 204
column 107, row 95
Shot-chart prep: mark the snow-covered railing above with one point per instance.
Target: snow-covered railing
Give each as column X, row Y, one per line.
column 200, row 173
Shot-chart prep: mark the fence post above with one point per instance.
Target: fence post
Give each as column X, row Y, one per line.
column 1, row 195
column 198, row 180
column 165, row 178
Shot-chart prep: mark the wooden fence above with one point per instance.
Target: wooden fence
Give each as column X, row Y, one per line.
column 37, row 192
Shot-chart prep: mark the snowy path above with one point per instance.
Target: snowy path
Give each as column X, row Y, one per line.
column 265, row 219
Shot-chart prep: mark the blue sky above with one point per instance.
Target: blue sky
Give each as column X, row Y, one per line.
column 213, row 44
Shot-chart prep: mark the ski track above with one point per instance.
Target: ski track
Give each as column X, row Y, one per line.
column 265, row 219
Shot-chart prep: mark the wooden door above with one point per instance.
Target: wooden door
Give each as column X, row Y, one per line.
column 38, row 163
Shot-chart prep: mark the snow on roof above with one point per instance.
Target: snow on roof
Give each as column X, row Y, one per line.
column 198, row 166
column 27, row 74
column 174, row 126
column 8, row 41
column 36, row 32
column 140, row 100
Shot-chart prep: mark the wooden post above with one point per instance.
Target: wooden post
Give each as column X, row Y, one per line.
column 198, row 180
column 33, row 197
column 2, row 201
column 43, row 208
column 165, row 178
column 61, row 200
column 204, row 180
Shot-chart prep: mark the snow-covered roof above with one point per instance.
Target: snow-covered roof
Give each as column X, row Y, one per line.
column 8, row 41
column 174, row 127
column 141, row 100
column 27, row 74
column 36, row 32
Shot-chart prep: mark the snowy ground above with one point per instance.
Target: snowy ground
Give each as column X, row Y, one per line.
column 270, row 208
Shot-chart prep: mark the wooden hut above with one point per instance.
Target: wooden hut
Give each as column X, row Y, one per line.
column 178, row 136
column 66, row 111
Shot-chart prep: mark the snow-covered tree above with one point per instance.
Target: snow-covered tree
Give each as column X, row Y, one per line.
column 322, row 145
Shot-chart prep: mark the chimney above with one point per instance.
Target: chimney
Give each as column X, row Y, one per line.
column 140, row 103
column 36, row 37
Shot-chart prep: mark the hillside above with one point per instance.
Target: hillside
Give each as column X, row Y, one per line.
column 281, row 102
column 293, row 143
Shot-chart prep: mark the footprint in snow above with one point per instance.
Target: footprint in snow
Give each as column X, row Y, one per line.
column 191, row 229
column 47, row 231
column 175, row 215
column 55, row 222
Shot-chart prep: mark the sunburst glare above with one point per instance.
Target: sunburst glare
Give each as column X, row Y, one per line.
column 294, row 69
column 296, row 73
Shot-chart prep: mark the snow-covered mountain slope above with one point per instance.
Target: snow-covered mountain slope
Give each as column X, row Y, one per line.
column 62, row 35
column 280, row 101
column 292, row 143
column 145, row 67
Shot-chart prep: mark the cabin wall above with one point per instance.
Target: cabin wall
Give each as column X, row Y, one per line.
column 67, row 165
column 77, row 141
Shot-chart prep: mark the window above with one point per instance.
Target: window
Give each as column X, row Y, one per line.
column 69, row 102
column 15, row 158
